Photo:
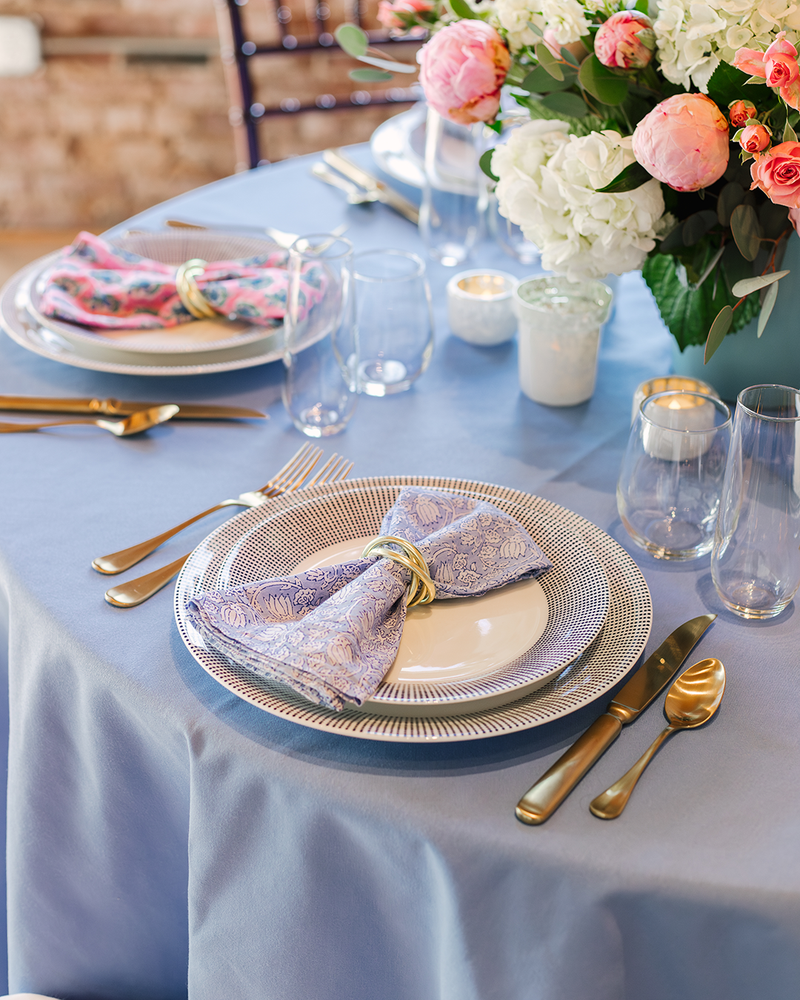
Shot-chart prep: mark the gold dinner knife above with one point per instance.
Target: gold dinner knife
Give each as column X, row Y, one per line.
column 336, row 159
column 123, row 408
column 542, row 800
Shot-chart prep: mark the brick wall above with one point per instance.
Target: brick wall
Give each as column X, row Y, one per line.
column 92, row 139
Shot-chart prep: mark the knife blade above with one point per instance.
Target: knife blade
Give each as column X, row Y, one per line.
column 336, row 159
column 543, row 798
column 122, row 408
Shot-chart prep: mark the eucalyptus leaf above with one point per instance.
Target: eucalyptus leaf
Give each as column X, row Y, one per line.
column 462, row 9
column 767, row 307
column 389, row 64
column 729, row 197
column 548, row 61
column 746, row 231
column 369, row 75
column 541, row 82
column 789, row 133
column 566, row 103
column 485, row 163
column 748, row 285
column 716, row 334
column 628, row 179
column 352, row 39
column 601, row 82
column 535, row 29
column 567, row 56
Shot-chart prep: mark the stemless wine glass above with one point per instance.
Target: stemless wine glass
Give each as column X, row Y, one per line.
column 755, row 564
column 394, row 320
column 671, row 478
column 321, row 346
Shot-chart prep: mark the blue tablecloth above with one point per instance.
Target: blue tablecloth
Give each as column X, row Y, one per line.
column 161, row 830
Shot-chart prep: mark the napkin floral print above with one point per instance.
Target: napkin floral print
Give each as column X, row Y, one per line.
column 96, row 284
column 331, row 633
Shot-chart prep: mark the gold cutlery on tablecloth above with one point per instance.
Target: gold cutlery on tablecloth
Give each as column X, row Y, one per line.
column 355, row 195
column 336, row 159
column 128, row 595
column 136, row 423
column 692, row 700
column 543, row 798
column 295, row 472
column 123, row 408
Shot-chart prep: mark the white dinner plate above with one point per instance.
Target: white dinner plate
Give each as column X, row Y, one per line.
column 359, row 507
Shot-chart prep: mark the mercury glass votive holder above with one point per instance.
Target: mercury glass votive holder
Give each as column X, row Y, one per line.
column 480, row 308
column 559, row 336
column 669, row 383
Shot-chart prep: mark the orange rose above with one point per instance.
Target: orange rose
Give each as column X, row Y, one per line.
column 777, row 173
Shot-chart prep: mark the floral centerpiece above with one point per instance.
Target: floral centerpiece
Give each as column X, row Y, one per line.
column 659, row 137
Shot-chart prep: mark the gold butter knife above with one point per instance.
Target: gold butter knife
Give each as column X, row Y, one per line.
column 336, row 159
column 542, row 800
column 123, row 408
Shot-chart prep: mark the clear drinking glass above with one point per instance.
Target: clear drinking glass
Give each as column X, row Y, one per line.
column 755, row 564
column 509, row 237
column 455, row 195
column 321, row 346
column 394, row 320
column 670, row 483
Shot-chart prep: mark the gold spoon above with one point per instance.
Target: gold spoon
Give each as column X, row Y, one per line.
column 691, row 701
column 137, row 422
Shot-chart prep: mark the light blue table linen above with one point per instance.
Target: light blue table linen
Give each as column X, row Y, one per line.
column 166, row 839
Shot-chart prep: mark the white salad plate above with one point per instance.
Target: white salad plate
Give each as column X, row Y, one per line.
column 198, row 347
column 487, row 692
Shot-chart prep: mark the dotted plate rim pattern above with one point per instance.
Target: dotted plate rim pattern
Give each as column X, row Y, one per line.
column 598, row 668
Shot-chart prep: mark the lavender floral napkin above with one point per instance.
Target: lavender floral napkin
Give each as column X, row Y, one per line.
column 332, row 633
column 97, row 284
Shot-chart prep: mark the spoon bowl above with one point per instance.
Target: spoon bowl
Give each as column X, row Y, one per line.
column 692, row 700
column 136, row 423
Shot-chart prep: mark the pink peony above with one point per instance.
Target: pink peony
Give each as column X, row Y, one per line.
column 777, row 173
column 683, row 142
column 740, row 111
column 387, row 11
column 626, row 40
column 754, row 138
column 462, row 70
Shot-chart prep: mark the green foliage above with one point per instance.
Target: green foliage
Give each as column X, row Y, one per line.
column 632, row 177
column 539, row 81
column 726, row 85
column 485, row 163
column 766, row 307
column 462, row 9
column 369, row 75
column 729, row 198
column 352, row 39
column 718, row 331
column 746, row 231
column 601, row 82
column 566, row 103
column 549, row 62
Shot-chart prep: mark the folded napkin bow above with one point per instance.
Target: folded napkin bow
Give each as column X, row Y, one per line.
column 97, row 284
column 331, row 633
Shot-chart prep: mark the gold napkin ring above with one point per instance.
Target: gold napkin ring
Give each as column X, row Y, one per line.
column 422, row 589
column 189, row 293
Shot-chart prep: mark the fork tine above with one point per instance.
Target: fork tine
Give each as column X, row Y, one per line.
column 324, row 474
column 293, row 474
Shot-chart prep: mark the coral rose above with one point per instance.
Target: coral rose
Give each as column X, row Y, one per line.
column 777, row 67
column 777, row 173
column 683, row 142
column 462, row 70
column 754, row 138
column 740, row 111
column 626, row 40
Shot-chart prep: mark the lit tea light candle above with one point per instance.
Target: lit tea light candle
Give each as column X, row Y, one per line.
column 479, row 306
column 669, row 383
column 679, row 425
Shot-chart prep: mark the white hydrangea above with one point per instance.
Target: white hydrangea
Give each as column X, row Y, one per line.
column 692, row 37
column 565, row 18
column 548, row 186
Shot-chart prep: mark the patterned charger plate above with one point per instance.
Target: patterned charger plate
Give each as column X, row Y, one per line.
column 272, row 539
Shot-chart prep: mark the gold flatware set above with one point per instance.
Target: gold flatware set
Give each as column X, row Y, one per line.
column 136, row 423
column 290, row 478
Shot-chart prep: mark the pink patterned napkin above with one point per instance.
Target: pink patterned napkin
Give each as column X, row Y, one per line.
column 97, row 284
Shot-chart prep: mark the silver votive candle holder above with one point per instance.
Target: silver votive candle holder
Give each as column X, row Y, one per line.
column 480, row 307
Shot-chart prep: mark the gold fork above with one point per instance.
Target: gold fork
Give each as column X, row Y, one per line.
column 289, row 477
column 128, row 595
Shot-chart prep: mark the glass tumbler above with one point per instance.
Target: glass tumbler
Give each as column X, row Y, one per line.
column 321, row 341
column 755, row 564
column 670, row 483
column 394, row 320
